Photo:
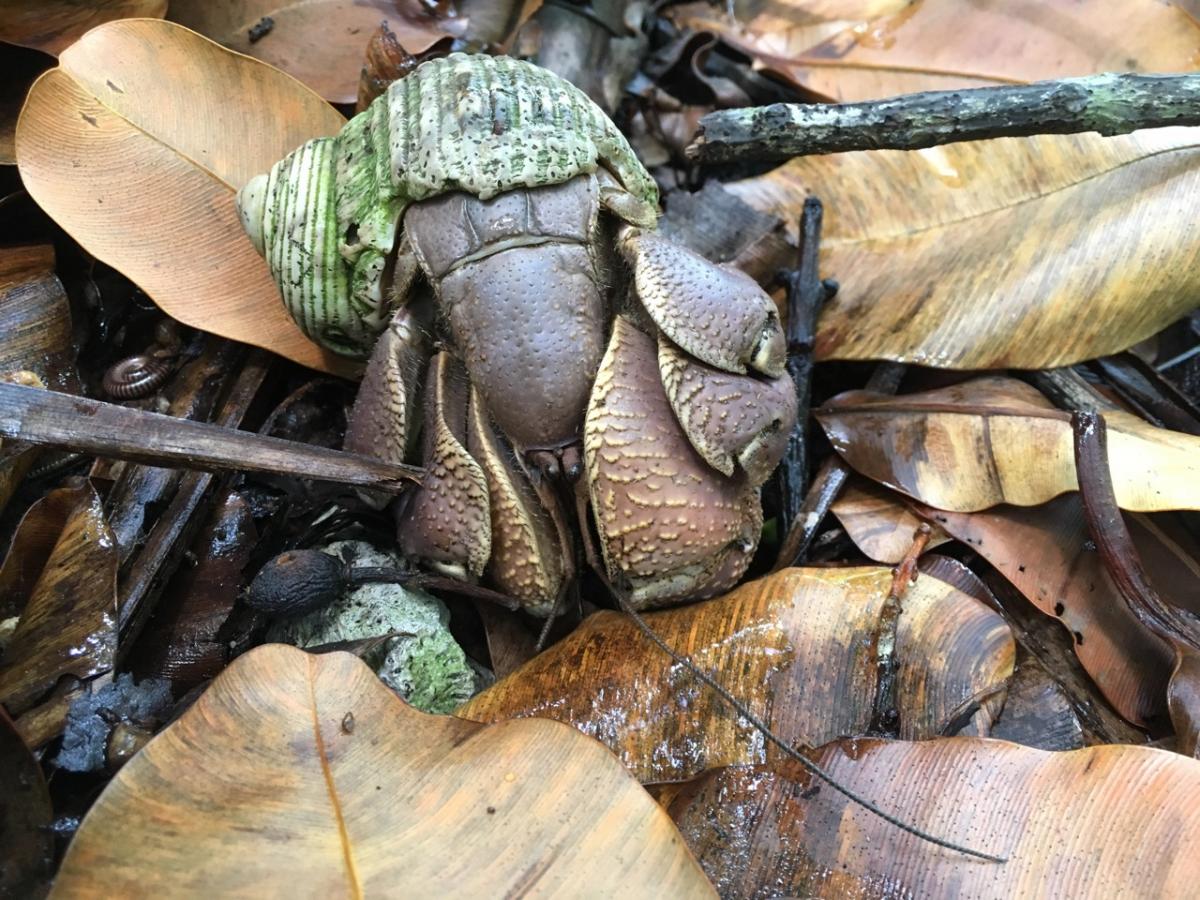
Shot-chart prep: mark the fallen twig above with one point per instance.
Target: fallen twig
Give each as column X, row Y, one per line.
column 829, row 482
column 1109, row 104
column 106, row 429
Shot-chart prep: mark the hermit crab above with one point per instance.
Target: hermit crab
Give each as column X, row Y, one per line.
column 573, row 383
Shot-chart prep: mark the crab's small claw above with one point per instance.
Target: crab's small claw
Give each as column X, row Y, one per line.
column 382, row 421
column 718, row 314
column 732, row 420
column 527, row 558
column 670, row 526
column 447, row 521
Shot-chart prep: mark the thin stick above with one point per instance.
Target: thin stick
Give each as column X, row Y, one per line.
column 806, row 293
column 790, row 751
column 829, row 482
column 1109, row 104
column 106, row 429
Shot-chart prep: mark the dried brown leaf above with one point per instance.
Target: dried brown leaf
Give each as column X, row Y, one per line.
column 53, row 25
column 879, row 521
column 306, row 771
column 1022, row 252
column 135, row 145
column 1099, row 822
column 319, row 42
column 1046, row 554
column 996, row 440
column 860, row 51
column 798, row 647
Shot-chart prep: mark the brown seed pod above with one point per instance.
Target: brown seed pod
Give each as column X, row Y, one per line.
column 295, row 582
column 136, row 377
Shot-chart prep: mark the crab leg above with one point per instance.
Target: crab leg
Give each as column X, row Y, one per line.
column 670, row 525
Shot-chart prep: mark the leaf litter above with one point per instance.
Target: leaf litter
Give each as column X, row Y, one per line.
column 1006, row 255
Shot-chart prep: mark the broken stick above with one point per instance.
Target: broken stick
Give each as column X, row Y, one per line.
column 1109, row 104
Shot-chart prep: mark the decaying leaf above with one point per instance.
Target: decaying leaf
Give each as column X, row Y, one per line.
column 320, row 42
column 798, row 647
column 35, row 317
column 304, row 770
column 996, row 440
column 36, row 342
column 1104, row 821
column 26, row 816
column 53, row 25
column 1023, row 252
column 64, row 561
column 1046, row 553
column 145, row 181
column 879, row 521
column 847, row 51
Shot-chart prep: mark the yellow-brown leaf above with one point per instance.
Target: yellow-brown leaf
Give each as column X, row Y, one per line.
column 136, row 144
column 1018, row 252
column 996, row 440
column 1109, row 821
column 797, row 647
column 304, row 773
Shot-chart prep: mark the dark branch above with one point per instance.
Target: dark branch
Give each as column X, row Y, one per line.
column 1108, row 104
column 105, row 429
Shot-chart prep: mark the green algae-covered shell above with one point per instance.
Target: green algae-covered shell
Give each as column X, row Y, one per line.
column 326, row 216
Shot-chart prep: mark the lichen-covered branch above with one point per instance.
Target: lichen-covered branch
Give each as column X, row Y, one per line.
column 1108, row 104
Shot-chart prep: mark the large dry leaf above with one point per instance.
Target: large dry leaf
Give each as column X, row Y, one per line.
column 881, row 525
column 997, row 440
column 63, row 564
column 320, row 42
column 1021, row 252
column 1046, row 553
column 927, row 45
column 53, row 25
column 798, row 647
column 299, row 772
column 136, row 143
column 1110, row 821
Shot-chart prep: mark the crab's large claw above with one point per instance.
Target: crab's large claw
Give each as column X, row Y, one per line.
column 382, row 422
column 671, row 527
column 718, row 314
column 447, row 521
column 732, row 420
column 527, row 558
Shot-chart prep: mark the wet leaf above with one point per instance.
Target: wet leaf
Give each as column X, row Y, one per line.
column 1022, row 252
column 1046, row 553
column 304, row 770
column 35, row 317
column 25, row 818
column 1099, row 822
column 182, row 640
column 859, row 51
column 1038, row 713
column 64, row 560
column 145, row 179
column 320, row 42
column 53, row 25
column 996, row 440
column 879, row 521
column 798, row 647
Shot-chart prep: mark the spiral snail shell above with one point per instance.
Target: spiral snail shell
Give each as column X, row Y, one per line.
column 327, row 216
